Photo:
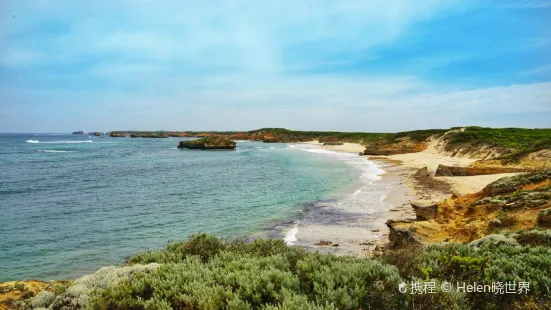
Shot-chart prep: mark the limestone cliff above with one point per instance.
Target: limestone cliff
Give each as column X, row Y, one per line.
column 518, row 202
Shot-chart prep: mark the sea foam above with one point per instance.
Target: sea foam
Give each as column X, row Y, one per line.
column 60, row 142
column 54, row 151
column 291, row 236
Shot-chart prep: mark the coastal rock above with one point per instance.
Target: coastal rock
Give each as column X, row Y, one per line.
column 425, row 212
column 399, row 146
column 269, row 139
column 423, row 172
column 117, row 134
column 449, row 171
column 324, row 243
column 208, row 143
column 401, row 234
column 78, row 132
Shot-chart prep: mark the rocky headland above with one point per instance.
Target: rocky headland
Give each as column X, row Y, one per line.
column 208, row 143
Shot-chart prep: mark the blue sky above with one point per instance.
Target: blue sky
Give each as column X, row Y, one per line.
column 241, row 65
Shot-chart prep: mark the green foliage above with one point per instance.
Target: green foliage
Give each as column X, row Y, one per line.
column 514, row 183
column 418, row 135
column 510, row 138
column 205, row 272
column 517, row 142
column 515, row 257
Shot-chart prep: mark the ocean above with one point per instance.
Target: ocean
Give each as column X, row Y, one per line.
column 70, row 204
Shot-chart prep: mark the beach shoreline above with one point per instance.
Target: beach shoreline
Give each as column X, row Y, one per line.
column 406, row 187
column 393, row 193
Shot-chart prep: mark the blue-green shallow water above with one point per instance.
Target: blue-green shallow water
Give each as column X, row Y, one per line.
column 71, row 204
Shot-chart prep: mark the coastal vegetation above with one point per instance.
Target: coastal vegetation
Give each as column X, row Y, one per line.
column 512, row 143
column 206, row 272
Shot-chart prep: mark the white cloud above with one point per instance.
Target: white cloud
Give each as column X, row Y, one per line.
column 226, row 65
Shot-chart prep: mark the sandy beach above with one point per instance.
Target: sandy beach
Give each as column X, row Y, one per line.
column 360, row 228
column 405, row 188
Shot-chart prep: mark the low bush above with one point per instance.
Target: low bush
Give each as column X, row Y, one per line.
column 205, row 272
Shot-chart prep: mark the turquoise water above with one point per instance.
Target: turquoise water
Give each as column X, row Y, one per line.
column 71, row 204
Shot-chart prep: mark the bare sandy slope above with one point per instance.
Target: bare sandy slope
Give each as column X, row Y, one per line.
column 431, row 158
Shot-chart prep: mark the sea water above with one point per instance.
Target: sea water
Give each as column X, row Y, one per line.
column 70, row 204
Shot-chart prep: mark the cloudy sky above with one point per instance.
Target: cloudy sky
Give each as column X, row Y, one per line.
column 239, row 65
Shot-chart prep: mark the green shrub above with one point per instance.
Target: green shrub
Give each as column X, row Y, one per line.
column 205, row 272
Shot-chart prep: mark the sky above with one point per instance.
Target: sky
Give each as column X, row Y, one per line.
column 378, row 66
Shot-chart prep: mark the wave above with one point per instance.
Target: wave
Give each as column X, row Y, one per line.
column 54, row 151
column 291, row 236
column 370, row 171
column 60, row 142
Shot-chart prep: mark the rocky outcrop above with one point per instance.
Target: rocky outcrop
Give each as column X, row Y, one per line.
column 323, row 243
column 425, row 212
column 394, row 147
column 179, row 134
column 269, row 139
column 401, row 234
column 423, row 172
column 239, row 136
column 517, row 202
column 78, row 132
column 450, row 171
column 117, row 134
column 208, row 143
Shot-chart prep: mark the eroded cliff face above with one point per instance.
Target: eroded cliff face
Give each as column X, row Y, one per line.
column 402, row 146
column 518, row 202
column 444, row 170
